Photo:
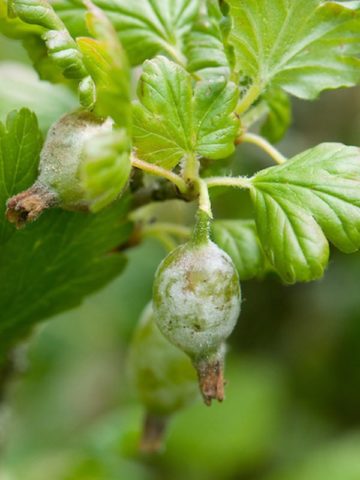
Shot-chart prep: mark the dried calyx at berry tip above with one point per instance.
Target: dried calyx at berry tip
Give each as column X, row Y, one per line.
column 58, row 183
column 197, row 302
column 164, row 379
column 28, row 205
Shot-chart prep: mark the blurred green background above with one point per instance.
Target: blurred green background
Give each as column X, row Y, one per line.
column 293, row 396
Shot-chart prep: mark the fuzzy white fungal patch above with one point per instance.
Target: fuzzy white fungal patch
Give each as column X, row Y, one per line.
column 62, row 153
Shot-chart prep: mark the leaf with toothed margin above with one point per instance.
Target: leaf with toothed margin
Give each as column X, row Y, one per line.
column 108, row 66
column 302, row 46
column 173, row 120
column 300, row 205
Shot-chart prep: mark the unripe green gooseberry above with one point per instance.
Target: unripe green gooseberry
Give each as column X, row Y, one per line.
column 197, row 301
column 163, row 376
column 58, row 182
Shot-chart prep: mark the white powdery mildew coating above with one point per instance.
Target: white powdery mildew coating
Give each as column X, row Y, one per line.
column 197, row 298
column 61, row 155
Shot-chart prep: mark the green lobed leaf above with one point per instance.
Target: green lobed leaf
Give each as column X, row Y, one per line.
column 106, row 168
column 54, row 263
column 214, row 123
column 204, row 44
column 108, row 66
column 302, row 46
column 239, row 239
column 173, row 121
column 279, row 117
column 161, row 126
column 20, row 145
column 145, row 27
column 299, row 205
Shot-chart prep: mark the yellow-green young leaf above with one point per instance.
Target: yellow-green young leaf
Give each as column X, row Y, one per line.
column 145, row 27
column 204, row 45
column 108, row 66
column 106, row 168
column 20, row 145
column 239, row 239
column 302, row 46
column 172, row 120
column 299, row 205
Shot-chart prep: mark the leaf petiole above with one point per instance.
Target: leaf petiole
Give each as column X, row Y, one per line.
column 249, row 98
column 160, row 172
column 238, row 182
column 191, row 168
column 264, row 145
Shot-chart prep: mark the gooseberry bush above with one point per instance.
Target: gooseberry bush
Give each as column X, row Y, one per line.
column 210, row 76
